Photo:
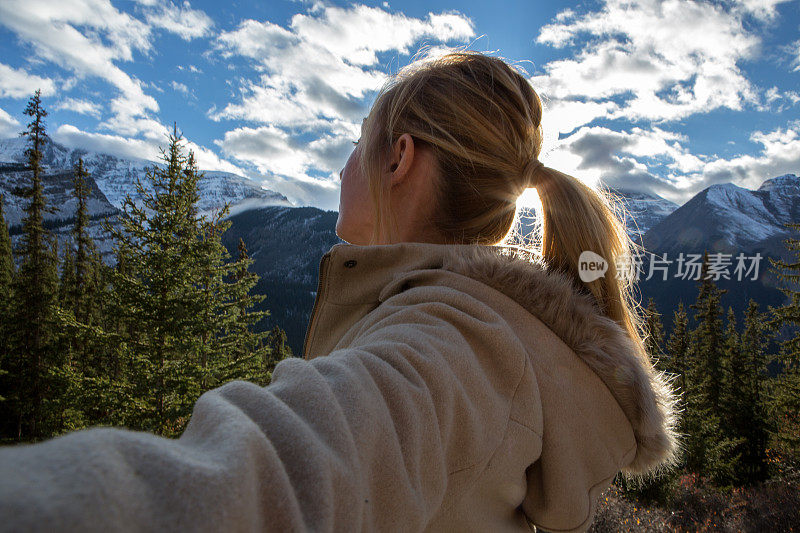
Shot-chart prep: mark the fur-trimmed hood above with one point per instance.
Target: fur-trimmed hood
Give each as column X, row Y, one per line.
column 644, row 393
column 356, row 280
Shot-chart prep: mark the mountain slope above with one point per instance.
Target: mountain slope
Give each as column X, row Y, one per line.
column 116, row 177
column 643, row 210
column 728, row 218
column 286, row 244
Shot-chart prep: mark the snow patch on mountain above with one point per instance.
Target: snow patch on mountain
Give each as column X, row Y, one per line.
column 782, row 183
column 116, row 177
column 726, row 217
column 746, row 214
column 641, row 210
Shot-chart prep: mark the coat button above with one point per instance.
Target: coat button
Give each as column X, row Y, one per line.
column 350, row 263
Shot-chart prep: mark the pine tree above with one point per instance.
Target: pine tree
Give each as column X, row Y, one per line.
column 6, row 298
column 35, row 361
column 155, row 298
column 655, row 329
column 249, row 355
column 82, row 294
column 709, row 337
column 91, row 387
column 178, row 298
column 733, row 379
column 66, row 287
column 732, row 373
column 279, row 349
column 86, row 259
column 64, row 379
column 753, row 418
column 105, row 397
column 679, row 347
column 679, row 357
column 6, row 261
column 709, row 449
column 654, row 489
column 784, row 393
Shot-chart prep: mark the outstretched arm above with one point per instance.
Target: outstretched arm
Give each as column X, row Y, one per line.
column 363, row 438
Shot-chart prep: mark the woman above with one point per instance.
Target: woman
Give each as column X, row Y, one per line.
column 448, row 382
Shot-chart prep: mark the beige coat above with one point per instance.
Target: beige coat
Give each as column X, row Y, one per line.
column 442, row 388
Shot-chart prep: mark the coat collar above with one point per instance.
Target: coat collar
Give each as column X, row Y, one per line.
column 356, row 279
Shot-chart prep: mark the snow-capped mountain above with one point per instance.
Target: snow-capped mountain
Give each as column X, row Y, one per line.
column 729, row 218
column 58, row 192
column 110, row 180
column 115, row 177
column 643, row 210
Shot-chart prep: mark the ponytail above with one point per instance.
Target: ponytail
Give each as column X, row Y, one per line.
column 576, row 218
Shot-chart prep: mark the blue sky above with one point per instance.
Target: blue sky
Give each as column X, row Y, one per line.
column 663, row 96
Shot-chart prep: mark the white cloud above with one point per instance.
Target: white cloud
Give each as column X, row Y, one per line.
column 17, row 83
column 564, row 116
column 141, row 149
column 779, row 154
column 623, row 159
column 304, row 83
column 182, row 20
column 86, row 37
column 180, row 87
column 83, row 107
column 90, row 38
column 795, row 53
column 190, row 68
column 72, row 137
column 371, row 30
column 288, row 162
column 771, row 95
column 760, row 9
column 9, row 126
column 626, row 159
column 270, row 148
column 776, row 100
column 208, row 160
column 659, row 60
column 314, row 71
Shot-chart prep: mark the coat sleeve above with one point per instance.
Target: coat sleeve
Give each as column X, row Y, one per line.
column 364, row 438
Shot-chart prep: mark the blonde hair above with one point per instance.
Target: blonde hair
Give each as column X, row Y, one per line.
column 482, row 120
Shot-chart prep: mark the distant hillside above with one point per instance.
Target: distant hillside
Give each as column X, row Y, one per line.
column 726, row 219
column 729, row 218
column 110, row 180
column 286, row 244
column 642, row 210
column 116, row 177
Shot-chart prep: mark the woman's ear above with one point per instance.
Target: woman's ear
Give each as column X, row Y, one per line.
column 402, row 158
